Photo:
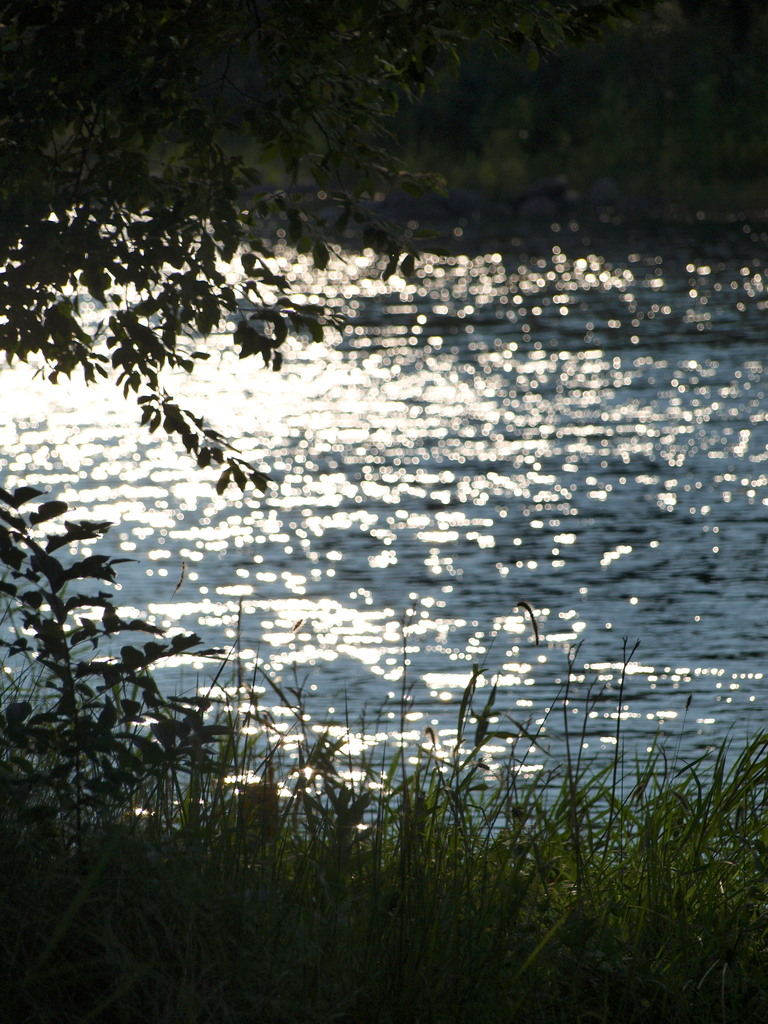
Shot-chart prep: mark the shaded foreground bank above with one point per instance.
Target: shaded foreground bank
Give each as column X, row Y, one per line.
column 196, row 860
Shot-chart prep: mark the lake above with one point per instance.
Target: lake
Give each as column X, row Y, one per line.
column 577, row 421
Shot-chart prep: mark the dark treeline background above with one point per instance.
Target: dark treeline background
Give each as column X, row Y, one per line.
column 673, row 110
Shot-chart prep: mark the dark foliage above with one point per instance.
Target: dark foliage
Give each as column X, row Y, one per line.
column 145, row 145
column 91, row 725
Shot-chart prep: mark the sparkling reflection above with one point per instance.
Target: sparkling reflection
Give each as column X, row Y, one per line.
column 580, row 431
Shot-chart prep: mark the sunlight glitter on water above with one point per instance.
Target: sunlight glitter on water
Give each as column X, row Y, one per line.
column 583, row 433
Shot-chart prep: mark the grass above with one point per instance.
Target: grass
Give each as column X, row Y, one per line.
column 182, row 860
column 434, row 891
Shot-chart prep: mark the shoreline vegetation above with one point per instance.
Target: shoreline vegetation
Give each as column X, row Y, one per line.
column 666, row 117
column 194, row 859
column 548, row 208
column 200, row 859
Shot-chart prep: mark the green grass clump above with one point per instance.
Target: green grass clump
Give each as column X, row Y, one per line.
column 181, row 860
column 449, row 895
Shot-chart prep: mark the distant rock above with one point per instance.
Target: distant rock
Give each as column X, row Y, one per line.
column 462, row 215
column 603, row 194
column 433, row 208
column 545, row 201
column 538, row 209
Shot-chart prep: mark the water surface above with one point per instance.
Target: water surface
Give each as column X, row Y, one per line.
column 578, row 423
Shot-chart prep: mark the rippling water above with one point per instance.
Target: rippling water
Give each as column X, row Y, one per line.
column 579, row 424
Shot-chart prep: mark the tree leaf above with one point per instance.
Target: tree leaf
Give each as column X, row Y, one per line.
column 17, row 712
column 408, row 265
column 20, row 496
column 48, row 510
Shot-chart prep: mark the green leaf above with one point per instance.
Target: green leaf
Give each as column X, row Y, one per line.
column 77, row 531
column 12, row 520
column 168, row 731
column 391, row 266
column 320, row 255
column 17, row 712
column 131, row 657
column 526, row 22
column 20, row 496
column 408, row 265
column 412, row 186
column 108, row 717
column 97, row 567
column 48, row 510
column 316, row 330
column 153, row 652
column 184, row 642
